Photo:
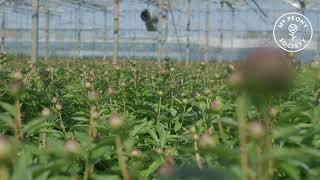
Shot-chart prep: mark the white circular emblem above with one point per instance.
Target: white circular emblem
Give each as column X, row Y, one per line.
column 292, row 32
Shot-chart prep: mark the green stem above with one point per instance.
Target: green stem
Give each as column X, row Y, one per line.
column 93, row 124
column 122, row 163
column 183, row 115
column 18, row 124
column 203, row 80
column 314, row 117
column 88, row 169
column 268, row 137
column 269, row 149
column 124, row 100
column 159, row 110
column 172, row 97
column 198, row 157
column 259, row 164
column 62, row 124
column 221, row 131
column 135, row 79
column 241, row 113
column 44, row 139
column 4, row 172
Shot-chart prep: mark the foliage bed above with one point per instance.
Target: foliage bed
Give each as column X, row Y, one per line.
column 96, row 120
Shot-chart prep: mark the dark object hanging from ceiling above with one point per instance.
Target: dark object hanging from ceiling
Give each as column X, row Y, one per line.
column 150, row 20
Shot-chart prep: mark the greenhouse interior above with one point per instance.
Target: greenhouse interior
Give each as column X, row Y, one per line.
column 160, row 89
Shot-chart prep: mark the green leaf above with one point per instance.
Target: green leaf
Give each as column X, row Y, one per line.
column 162, row 134
column 202, row 106
column 35, row 125
column 152, row 168
column 60, row 178
column 177, row 126
column 229, row 121
column 154, row 136
column 81, row 118
column 281, row 132
column 42, row 169
column 104, row 177
column 8, row 108
column 292, row 171
column 138, row 128
column 98, row 153
column 21, row 170
column 6, row 119
column 173, row 112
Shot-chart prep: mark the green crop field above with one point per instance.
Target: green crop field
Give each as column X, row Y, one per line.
column 69, row 119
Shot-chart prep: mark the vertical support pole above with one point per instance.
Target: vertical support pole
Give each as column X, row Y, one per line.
column 318, row 48
column 79, row 30
column 232, row 33
column 134, row 33
column 47, row 26
column 35, row 28
column 105, row 36
column 94, row 33
column 221, row 32
column 3, row 23
column 116, row 32
column 207, row 36
column 318, row 41
column 188, row 31
column 74, row 33
column 20, row 34
column 59, row 22
column 200, row 43
column 160, row 32
column 17, row 35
